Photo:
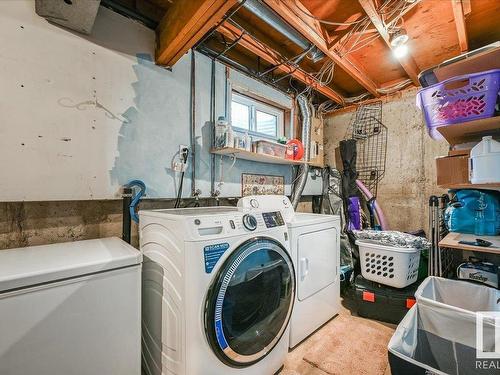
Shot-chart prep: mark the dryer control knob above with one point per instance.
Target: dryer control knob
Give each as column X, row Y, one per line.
column 249, row 222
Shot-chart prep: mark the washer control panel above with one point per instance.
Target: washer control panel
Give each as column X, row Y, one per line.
column 273, row 219
column 243, row 222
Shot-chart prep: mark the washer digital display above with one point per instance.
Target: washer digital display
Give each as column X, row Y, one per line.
column 273, row 219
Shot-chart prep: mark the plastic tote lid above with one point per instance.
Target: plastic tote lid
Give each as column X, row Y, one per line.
column 27, row 266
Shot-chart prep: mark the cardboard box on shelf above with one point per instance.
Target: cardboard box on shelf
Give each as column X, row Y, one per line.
column 459, row 152
column 452, row 170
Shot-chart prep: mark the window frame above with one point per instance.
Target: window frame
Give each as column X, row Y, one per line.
column 254, row 106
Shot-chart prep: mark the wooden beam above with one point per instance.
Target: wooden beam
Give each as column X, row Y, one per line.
column 288, row 10
column 184, row 25
column 400, row 14
column 233, row 33
column 409, row 65
column 467, row 7
column 339, row 32
column 458, row 14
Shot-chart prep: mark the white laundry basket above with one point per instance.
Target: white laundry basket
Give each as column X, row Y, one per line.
column 388, row 265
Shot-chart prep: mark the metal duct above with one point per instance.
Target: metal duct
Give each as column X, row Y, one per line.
column 305, row 112
column 298, row 187
column 267, row 15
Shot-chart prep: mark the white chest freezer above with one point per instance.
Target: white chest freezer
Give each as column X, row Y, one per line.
column 70, row 309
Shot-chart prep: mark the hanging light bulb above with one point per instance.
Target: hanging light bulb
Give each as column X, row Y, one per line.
column 399, row 37
column 400, row 51
column 399, row 42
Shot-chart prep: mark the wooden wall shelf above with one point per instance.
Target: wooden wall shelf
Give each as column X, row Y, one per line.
column 253, row 156
column 495, row 186
column 451, row 241
column 470, row 131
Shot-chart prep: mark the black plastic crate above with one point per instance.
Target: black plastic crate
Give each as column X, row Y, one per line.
column 380, row 302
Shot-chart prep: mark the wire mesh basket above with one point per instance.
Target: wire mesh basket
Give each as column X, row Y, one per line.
column 367, row 129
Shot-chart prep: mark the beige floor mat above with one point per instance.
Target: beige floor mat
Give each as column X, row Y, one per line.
column 347, row 345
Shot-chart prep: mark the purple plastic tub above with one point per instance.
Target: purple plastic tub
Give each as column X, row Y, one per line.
column 459, row 99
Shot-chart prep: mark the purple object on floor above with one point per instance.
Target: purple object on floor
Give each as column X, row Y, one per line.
column 378, row 211
column 459, row 99
column 353, row 209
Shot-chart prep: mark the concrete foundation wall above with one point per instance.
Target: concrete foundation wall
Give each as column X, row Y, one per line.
column 82, row 115
column 410, row 173
column 40, row 223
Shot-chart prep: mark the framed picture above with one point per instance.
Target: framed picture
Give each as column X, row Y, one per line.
column 260, row 184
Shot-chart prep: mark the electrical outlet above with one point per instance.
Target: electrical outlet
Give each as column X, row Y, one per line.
column 181, row 149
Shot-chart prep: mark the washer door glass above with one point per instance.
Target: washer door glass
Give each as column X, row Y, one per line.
column 249, row 305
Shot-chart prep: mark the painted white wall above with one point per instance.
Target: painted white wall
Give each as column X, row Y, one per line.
column 82, row 115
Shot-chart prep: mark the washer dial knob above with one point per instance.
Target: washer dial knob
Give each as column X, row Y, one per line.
column 249, row 222
column 254, row 203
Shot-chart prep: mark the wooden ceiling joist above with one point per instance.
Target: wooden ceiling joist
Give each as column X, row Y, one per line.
column 408, row 63
column 402, row 12
column 312, row 30
column 184, row 25
column 459, row 15
column 233, row 33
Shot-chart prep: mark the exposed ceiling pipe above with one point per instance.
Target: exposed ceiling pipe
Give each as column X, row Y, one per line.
column 267, row 15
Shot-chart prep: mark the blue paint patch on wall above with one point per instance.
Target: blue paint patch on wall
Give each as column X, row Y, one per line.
column 154, row 128
column 159, row 121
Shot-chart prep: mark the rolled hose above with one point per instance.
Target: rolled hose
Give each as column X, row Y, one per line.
column 378, row 211
column 137, row 197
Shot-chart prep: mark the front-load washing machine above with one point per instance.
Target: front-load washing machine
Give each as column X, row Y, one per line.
column 314, row 243
column 218, row 291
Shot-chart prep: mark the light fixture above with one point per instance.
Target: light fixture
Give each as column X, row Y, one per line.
column 399, row 38
column 400, row 51
column 399, row 42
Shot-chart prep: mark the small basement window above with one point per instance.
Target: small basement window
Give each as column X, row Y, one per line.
column 255, row 117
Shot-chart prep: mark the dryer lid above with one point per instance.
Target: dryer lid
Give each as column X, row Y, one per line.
column 28, row 266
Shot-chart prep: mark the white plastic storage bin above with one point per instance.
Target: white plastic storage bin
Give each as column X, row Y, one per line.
column 388, row 265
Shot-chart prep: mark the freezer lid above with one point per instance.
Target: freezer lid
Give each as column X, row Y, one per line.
column 27, row 266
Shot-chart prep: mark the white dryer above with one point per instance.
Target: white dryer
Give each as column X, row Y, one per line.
column 314, row 242
column 218, row 291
